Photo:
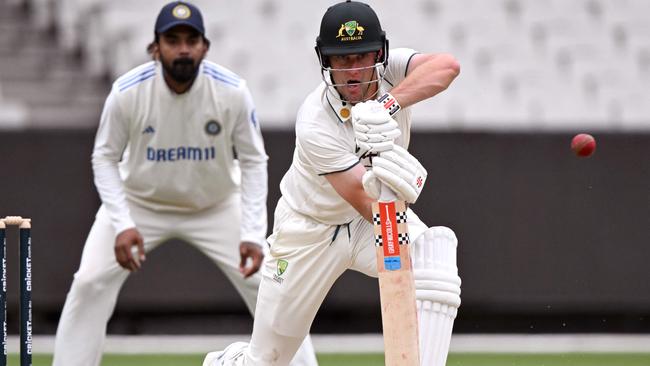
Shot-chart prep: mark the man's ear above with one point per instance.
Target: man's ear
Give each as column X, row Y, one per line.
column 153, row 50
column 206, row 47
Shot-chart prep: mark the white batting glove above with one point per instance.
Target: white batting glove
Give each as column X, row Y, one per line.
column 400, row 171
column 371, row 184
column 374, row 128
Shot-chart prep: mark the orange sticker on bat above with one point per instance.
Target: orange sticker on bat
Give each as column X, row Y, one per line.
column 389, row 228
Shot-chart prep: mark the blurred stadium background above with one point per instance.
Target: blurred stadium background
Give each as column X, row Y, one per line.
column 549, row 243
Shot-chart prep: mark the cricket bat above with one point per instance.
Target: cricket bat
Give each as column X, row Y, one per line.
column 396, row 284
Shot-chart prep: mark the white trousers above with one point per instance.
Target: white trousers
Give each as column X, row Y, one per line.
column 90, row 302
column 304, row 262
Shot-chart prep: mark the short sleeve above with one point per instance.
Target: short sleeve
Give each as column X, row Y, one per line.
column 325, row 152
column 398, row 62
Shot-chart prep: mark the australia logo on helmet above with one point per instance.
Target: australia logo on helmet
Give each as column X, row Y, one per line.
column 212, row 127
column 181, row 11
column 350, row 31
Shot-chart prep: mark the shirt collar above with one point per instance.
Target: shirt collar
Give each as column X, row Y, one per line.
column 340, row 108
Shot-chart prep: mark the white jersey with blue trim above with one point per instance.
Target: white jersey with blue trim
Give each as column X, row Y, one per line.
column 176, row 152
column 325, row 144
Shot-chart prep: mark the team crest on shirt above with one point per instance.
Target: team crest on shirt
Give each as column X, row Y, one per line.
column 282, row 267
column 212, row 127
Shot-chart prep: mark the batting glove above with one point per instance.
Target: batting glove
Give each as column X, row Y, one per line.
column 400, row 171
column 374, row 129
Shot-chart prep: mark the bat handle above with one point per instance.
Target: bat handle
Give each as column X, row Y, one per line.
column 386, row 194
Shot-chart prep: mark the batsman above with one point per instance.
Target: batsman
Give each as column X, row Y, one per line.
column 352, row 138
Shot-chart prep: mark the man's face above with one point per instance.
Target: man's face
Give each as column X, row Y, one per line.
column 360, row 71
column 181, row 50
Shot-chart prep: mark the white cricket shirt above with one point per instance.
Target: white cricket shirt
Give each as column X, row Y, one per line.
column 325, row 144
column 176, row 152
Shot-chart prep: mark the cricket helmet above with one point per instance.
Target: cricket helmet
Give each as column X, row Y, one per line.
column 350, row 27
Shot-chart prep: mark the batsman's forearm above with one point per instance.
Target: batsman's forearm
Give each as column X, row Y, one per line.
column 366, row 209
column 427, row 80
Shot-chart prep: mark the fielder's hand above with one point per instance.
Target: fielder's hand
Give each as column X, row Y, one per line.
column 374, row 128
column 129, row 249
column 254, row 252
column 400, row 171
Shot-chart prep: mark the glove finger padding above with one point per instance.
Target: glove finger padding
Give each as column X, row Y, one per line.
column 400, row 171
column 371, row 184
column 384, row 127
column 369, row 113
column 375, row 147
column 376, row 137
column 402, row 190
column 374, row 129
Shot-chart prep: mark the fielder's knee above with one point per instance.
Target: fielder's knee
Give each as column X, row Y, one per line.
column 88, row 284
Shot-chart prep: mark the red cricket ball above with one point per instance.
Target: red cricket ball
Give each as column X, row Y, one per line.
column 583, row 145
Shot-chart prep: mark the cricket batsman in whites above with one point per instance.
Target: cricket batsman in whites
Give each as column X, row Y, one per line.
column 352, row 136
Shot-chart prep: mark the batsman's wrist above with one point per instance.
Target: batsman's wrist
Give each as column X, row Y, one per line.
column 390, row 103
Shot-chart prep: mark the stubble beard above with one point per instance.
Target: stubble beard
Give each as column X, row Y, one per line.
column 364, row 91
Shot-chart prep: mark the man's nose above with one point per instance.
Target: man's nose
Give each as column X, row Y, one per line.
column 184, row 48
column 354, row 66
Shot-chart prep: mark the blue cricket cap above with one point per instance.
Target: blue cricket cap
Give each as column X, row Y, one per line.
column 179, row 13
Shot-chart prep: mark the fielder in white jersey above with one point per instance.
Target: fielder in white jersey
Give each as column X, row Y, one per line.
column 323, row 220
column 178, row 154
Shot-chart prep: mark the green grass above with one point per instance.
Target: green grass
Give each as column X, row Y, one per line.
column 125, row 360
column 573, row 359
column 351, row 360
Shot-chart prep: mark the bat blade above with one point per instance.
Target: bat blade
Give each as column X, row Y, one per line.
column 396, row 283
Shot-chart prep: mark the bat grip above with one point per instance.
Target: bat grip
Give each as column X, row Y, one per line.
column 386, row 194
